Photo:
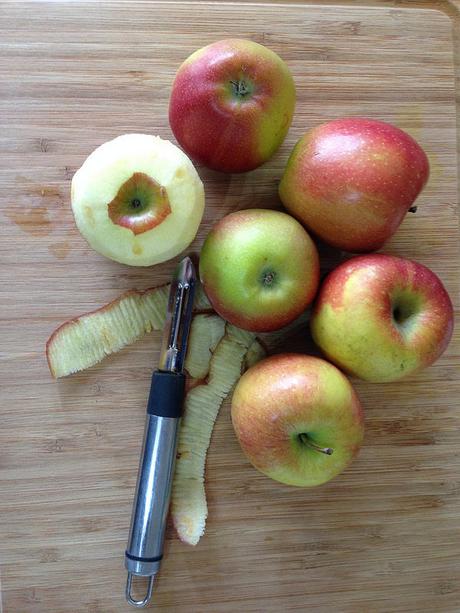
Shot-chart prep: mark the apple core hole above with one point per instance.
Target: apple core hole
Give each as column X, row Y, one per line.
column 135, row 203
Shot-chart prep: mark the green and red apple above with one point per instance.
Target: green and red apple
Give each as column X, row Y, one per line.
column 351, row 181
column 231, row 105
column 297, row 419
column 259, row 269
column 138, row 200
column 382, row 318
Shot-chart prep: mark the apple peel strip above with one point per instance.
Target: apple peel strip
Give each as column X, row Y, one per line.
column 188, row 501
column 218, row 353
column 86, row 340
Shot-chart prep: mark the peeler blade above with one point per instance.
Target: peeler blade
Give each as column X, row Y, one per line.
column 178, row 317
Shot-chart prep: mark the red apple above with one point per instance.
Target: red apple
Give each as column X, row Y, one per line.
column 259, row 269
column 382, row 318
column 231, row 105
column 297, row 418
column 351, row 181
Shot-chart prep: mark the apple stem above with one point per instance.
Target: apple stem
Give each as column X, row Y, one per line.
column 413, row 209
column 309, row 443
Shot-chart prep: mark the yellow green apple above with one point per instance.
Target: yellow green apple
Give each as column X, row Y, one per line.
column 231, row 104
column 259, row 269
column 138, row 200
column 382, row 318
column 297, row 419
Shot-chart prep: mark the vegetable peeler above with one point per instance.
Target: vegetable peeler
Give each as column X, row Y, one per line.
column 164, row 409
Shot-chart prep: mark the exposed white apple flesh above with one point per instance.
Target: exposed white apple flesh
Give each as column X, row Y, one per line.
column 138, row 200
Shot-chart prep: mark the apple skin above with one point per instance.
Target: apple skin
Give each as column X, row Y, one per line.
column 223, row 129
column 351, row 181
column 382, row 318
column 259, row 269
column 138, row 200
column 287, row 395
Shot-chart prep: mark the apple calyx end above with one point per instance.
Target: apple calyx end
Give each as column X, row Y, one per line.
column 413, row 209
column 241, row 88
column 140, row 205
column 268, row 277
column 305, row 440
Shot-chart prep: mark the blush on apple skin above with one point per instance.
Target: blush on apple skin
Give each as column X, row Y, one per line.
column 289, row 395
column 382, row 318
column 259, row 269
column 351, row 181
column 231, row 105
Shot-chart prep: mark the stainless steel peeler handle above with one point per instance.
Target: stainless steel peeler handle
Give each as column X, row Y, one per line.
column 156, row 471
column 164, row 410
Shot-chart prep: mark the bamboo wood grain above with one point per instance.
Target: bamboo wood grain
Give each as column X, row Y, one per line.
column 384, row 537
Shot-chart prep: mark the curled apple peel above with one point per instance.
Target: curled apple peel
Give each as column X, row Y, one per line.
column 217, row 355
column 188, row 501
column 205, row 334
column 86, row 340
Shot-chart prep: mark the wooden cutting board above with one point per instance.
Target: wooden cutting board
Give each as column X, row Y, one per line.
column 385, row 535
